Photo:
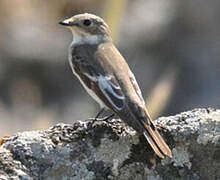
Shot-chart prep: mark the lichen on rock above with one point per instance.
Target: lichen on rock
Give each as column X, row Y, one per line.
column 111, row 150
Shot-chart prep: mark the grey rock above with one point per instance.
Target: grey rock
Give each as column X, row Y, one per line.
column 111, row 150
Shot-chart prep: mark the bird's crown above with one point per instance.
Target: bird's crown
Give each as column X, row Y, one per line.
column 87, row 24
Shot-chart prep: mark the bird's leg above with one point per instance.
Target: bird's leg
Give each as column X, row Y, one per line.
column 106, row 118
column 99, row 113
column 102, row 119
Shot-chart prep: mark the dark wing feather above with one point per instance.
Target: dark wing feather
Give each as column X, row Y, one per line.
column 105, row 86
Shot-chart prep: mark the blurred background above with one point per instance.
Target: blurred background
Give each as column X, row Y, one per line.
column 173, row 48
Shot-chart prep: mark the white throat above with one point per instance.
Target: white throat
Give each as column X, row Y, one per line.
column 84, row 38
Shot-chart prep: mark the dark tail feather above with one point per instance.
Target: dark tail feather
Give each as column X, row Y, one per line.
column 156, row 141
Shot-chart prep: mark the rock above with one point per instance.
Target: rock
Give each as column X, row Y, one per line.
column 111, row 150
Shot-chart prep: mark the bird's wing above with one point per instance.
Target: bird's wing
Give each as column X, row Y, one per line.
column 138, row 117
column 136, row 87
column 102, row 83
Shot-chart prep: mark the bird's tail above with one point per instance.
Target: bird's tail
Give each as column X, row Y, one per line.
column 139, row 118
column 156, row 141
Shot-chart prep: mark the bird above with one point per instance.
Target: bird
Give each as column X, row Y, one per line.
column 106, row 76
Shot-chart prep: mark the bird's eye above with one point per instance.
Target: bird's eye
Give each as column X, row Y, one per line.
column 87, row 22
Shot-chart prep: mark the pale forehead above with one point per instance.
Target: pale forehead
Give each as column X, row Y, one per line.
column 87, row 16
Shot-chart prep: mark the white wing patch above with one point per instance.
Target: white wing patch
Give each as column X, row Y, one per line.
column 111, row 91
column 92, row 78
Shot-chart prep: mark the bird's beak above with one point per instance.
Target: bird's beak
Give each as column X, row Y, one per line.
column 67, row 22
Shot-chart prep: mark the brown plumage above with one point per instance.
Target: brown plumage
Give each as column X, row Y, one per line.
column 107, row 77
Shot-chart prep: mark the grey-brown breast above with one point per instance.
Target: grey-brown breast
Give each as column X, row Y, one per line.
column 96, row 72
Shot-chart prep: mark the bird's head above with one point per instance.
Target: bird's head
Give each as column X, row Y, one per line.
column 87, row 28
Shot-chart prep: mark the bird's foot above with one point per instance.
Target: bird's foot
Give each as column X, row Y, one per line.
column 106, row 118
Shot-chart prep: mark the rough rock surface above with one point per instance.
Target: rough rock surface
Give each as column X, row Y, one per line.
column 111, row 150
